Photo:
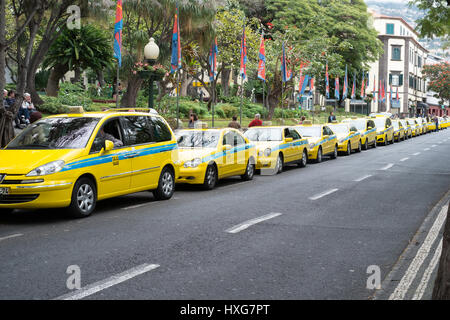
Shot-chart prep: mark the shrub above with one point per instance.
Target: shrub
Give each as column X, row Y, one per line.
column 228, row 110
column 52, row 105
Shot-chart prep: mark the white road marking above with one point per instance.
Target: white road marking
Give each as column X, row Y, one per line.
column 416, row 154
column 136, row 206
column 11, row 236
column 249, row 223
column 323, row 194
column 363, row 178
column 427, row 274
column 390, row 165
column 410, row 274
column 404, row 159
column 109, row 282
column 426, row 149
column 434, row 146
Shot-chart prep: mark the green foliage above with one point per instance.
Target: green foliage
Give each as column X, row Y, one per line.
column 435, row 22
column 73, row 94
column 228, row 110
column 41, row 79
column 439, row 76
column 52, row 105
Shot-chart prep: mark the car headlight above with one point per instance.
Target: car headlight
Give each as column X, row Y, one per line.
column 342, row 141
column 46, row 169
column 312, row 145
column 193, row 163
column 267, row 152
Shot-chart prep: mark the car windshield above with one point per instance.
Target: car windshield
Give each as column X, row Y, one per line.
column 411, row 122
column 264, row 134
column 404, row 123
column 309, row 131
column 358, row 124
column 396, row 125
column 339, row 128
column 380, row 123
column 56, row 133
column 198, row 139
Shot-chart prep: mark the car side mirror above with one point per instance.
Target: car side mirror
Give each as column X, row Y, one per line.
column 108, row 146
column 326, row 136
column 369, row 128
column 226, row 147
column 289, row 139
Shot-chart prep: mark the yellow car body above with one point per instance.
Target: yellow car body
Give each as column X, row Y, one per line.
column 399, row 131
column 414, row 127
column 208, row 155
column 322, row 141
column 366, row 127
column 277, row 146
column 431, row 125
column 349, row 139
column 446, row 123
column 43, row 166
column 407, row 128
column 423, row 128
column 385, row 130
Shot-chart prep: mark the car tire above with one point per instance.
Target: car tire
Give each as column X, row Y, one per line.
column 335, row 153
column 349, row 149
column 280, row 164
column 359, row 147
column 84, row 198
column 210, row 177
column 375, row 143
column 385, row 143
column 304, row 160
column 249, row 171
column 366, row 145
column 166, row 185
column 319, row 158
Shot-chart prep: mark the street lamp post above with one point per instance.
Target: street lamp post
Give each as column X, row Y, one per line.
column 151, row 54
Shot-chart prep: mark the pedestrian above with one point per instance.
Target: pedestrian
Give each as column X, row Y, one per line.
column 5, row 96
column 35, row 116
column 436, row 121
column 234, row 124
column 11, row 99
column 256, row 122
column 302, row 120
column 27, row 108
column 332, row 117
column 192, row 121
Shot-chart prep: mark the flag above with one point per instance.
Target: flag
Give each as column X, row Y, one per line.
column 262, row 61
column 363, row 88
column 383, row 92
column 374, row 92
column 345, row 89
column 336, row 88
column 118, row 33
column 286, row 74
column 311, row 86
column 327, row 83
column 303, row 84
column 176, row 45
column 353, row 96
column 390, row 94
column 213, row 61
column 397, row 96
column 243, row 71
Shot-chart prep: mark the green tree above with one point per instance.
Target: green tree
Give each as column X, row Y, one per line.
column 77, row 50
column 439, row 80
column 436, row 21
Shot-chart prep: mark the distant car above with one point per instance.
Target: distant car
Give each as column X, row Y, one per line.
column 207, row 155
column 422, row 125
column 414, row 127
column 348, row 137
column 367, row 129
column 407, row 128
column 322, row 141
column 74, row 160
column 278, row 146
column 385, row 130
column 431, row 125
column 399, row 131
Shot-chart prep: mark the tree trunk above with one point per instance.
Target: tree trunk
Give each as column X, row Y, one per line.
column 129, row 97
column 101, row 78
column 226, row 72
column 441, row 289
column 53, row 80
column 184, row 84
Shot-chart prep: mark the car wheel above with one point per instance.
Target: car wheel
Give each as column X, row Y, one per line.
column 385, row 143
column 166, row 185
column 349, row 149
column 366, row 145
column 335, row 153
column 210, row 177
column 279, row 167
column 303, row 162
column 374, row 143
column 84, row 198
column 249, row 171
column 359, row 147
column 319, row 156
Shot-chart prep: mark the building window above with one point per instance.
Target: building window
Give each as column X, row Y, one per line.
column 396, row 53
column 389, row 28
column 396, row 79
column 420, row 62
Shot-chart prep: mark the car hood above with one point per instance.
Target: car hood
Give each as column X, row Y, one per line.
column 263, row 145
column 21, row 162
column 188, row 154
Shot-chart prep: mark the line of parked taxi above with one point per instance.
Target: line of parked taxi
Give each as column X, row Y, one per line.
column 74, row 160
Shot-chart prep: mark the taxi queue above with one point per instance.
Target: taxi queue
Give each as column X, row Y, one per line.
column 75, row 160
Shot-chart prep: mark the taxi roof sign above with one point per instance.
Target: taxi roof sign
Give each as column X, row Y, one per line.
column 76, row 109
column 307, row 122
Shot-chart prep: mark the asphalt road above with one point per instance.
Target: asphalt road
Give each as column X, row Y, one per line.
column 312, row 242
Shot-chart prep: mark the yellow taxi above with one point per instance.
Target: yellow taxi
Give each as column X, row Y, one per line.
column 207, row 155
column 322, row 140
column 446, row 122
column 348, row 137
column 407, row 128
column 278, row 146
column 422, row 125
column 431, row 125
column 75, row 160
column 366, row 127
column 385, row 130
column 399, row 131
column 414, row 127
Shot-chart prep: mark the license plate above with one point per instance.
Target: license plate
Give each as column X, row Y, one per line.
column 4, row 191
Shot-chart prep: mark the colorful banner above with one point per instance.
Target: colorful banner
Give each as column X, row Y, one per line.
column 336, row 88
column 213, row 61
column 118, row 33
column 285, row 74
column 243, row 70
column 327, row 83
column 262, row 61
column 176, row 45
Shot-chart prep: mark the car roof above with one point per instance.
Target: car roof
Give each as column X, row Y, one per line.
column 106, row 114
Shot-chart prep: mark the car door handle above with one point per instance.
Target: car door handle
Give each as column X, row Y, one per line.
column 131, row 155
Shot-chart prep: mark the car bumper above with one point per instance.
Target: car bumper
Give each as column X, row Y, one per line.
column 312, row 154
column 192, row 175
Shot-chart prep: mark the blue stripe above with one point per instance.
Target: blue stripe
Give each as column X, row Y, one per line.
column 220, row 154
column 323, row 141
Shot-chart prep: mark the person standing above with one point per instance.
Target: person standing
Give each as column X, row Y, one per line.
column 256, row 122
column 192, row 121
column 234, row 124
column 332, row 117
column 302, row 120
column 27, row 108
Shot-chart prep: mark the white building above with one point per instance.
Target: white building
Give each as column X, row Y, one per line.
column 400, row 67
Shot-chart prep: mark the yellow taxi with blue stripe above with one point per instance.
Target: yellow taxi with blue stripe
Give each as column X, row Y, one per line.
column 407, row 128
column 277, row 147
column 385, row 130
column 414, row 127
column 399, row 131
column 322, row 140
column 74, row 160
column 207, row 155
column 446, row 122
column 421, row 122
column 366, row 127
column 431, row 125
column 348, row 137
